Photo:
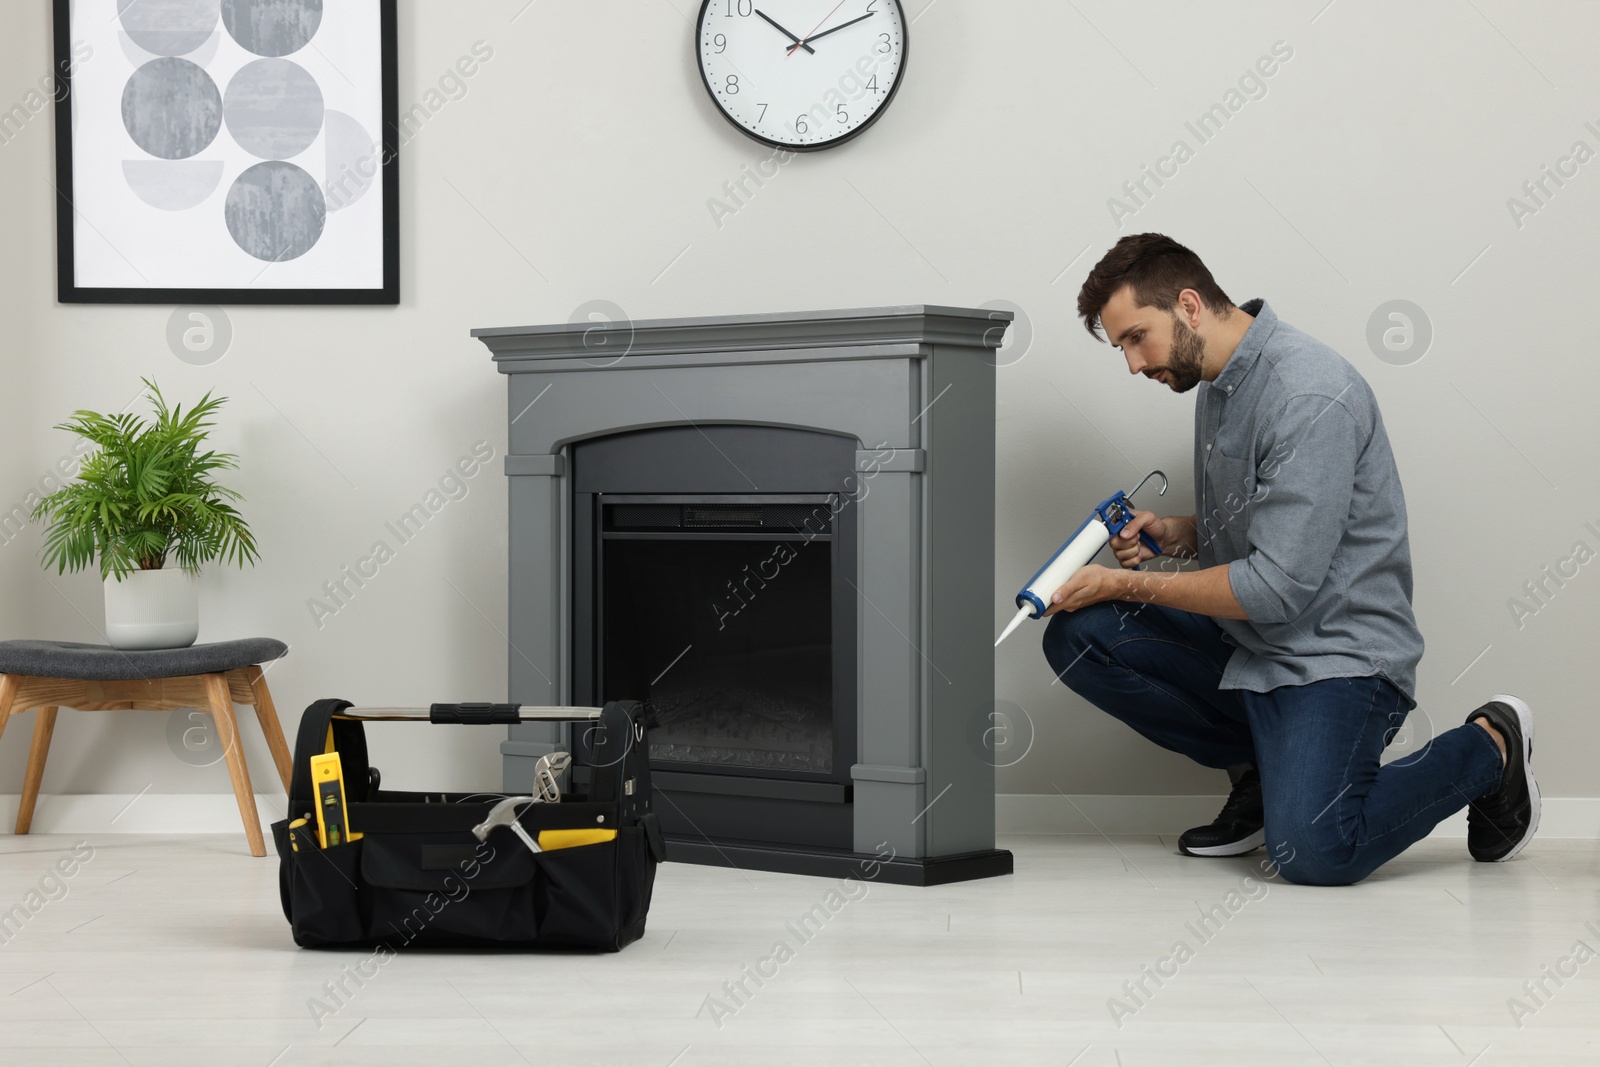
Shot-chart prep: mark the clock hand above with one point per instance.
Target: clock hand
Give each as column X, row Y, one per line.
column 818, row 26
column 798, row 43
column 836, row 29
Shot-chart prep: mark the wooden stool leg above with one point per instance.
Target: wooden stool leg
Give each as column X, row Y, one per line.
column 221, row 708
column 8, row 696
column 43, row 727
column 267, row 715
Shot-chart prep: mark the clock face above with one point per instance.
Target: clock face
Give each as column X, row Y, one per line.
column 802, row 74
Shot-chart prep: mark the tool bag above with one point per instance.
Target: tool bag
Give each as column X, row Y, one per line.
column 414, row 873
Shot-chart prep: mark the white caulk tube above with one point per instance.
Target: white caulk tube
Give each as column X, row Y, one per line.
column 1034, row 599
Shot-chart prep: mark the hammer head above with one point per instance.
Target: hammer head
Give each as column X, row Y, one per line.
column 502, row 814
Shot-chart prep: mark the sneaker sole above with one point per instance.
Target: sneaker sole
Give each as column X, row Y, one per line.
column 1233, row 848
column 1525, row 720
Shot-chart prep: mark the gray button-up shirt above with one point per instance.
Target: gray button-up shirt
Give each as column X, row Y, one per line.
column 1299, row 496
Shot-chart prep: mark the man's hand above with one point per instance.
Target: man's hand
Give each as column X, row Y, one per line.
column 1092, row 584
column 1131, row 551
column 1204, row 592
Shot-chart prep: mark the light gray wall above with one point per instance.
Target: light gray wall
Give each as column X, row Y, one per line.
column 578, row 167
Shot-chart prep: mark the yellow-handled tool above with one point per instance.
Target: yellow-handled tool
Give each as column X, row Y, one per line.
column 505, row 814
column 549, row 839
column 327, row 779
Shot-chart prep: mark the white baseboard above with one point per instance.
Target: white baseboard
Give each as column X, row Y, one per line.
column 1015, row 813
column 1052, row 813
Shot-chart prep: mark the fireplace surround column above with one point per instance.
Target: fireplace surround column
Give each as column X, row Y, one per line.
column 912, row 389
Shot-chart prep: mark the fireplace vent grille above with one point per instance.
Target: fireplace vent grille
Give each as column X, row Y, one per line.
column 812, row 518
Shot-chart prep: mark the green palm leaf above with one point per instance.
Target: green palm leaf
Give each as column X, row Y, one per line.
column 145, row 495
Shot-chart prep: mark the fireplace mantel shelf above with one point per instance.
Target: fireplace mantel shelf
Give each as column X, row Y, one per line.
column 908, row 331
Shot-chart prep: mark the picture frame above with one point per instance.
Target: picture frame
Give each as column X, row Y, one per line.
column 227, row 152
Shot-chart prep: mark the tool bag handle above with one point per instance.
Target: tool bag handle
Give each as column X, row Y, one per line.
column 474, row 714
column 322, row 731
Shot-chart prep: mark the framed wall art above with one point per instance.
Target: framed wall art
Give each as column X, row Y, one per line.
column 227, row 152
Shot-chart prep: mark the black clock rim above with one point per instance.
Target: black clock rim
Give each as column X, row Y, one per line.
column 905, row 62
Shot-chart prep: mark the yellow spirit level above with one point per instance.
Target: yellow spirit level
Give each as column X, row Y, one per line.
column 327, row 779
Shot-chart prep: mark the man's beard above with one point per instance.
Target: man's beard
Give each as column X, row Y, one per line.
column 1187, row 361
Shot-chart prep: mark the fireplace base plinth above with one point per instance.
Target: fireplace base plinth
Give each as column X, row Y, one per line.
column 838, row 863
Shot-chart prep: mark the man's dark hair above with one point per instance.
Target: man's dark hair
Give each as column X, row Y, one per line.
column 1158, row 268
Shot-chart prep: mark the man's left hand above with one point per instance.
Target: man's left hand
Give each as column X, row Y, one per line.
column 1090, row 585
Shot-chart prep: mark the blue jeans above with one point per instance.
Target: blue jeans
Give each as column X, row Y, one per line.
column 1333, row 814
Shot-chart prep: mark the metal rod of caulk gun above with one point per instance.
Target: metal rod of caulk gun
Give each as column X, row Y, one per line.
column 1153, row 474
column 1082, row 547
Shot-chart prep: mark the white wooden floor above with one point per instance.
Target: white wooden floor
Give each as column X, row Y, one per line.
column 172, row 951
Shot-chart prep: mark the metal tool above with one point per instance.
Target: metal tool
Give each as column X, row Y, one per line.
column 1104, row 523
column 505, row 814
column 545, row 772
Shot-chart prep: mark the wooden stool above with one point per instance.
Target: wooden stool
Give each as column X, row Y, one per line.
column 53, row 674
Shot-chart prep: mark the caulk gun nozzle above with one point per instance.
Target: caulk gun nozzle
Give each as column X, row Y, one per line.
column 1022, row 613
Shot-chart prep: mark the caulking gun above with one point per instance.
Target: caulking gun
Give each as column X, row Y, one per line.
column 1104, row 523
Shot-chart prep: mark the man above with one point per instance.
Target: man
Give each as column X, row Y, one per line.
column 1289, row 657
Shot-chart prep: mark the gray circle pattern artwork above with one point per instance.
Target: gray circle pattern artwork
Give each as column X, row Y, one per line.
column 202, row 56
column 274, row 108
column 172, row 184
column 353, row 160
column 272, row 28
column 171, row 108
column 168, row 27
column 276, row 211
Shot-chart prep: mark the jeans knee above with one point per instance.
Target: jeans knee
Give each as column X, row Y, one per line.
column 1306, row 874
column 1304, row 855
column 1069, row 633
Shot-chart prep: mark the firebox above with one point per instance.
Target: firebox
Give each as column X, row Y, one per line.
column 777, row 531
column 730, row 614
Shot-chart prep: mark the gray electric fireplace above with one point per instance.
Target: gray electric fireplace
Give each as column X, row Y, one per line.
column 778, row 533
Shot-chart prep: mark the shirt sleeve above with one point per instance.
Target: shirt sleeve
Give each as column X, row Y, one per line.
column 1299, row 510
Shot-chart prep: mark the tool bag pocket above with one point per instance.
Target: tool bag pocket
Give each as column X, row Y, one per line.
column 322, row 896
column 414, row 873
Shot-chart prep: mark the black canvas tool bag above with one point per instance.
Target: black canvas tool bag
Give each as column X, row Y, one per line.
column 414, row 873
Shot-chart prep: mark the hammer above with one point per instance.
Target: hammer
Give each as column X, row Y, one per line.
column 505, row 814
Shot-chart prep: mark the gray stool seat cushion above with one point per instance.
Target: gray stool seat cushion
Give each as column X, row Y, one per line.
column 102, row 663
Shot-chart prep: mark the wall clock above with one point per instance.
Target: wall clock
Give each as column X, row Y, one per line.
column 802, row 74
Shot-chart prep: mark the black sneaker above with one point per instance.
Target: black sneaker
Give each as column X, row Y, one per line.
column 1501, row 823
column 1239, row 828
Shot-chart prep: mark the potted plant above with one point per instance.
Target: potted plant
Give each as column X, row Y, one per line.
column 145, row 505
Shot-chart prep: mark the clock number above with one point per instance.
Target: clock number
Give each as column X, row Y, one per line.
column 872, row 6
column 887, row 47
column 843, row 115
column 873, row 84
column 744, row 7
column 721, row 41
column 800, row 125
column 733, row 85
column 763, row 116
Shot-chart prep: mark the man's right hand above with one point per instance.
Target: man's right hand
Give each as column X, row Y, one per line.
column 1131, row 551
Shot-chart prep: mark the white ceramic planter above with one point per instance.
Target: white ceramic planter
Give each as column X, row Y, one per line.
column 153, row 609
